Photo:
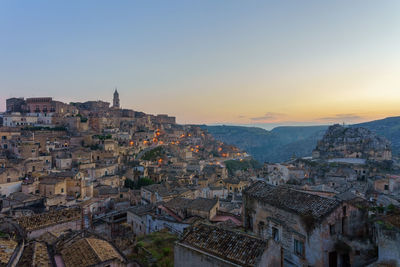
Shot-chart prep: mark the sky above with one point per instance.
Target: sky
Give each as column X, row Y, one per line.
column 263, row 63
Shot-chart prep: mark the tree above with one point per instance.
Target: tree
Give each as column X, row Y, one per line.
column 143, row 182
column 129, row 184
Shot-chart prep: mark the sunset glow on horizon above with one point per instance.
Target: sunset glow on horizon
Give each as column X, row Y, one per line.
column 210, row 62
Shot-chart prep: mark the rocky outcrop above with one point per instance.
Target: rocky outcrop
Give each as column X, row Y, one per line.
column 346, row 142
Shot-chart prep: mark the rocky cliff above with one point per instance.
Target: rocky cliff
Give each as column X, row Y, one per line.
column 352, row 142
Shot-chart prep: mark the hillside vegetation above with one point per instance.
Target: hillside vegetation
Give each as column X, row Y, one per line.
column 282, row 143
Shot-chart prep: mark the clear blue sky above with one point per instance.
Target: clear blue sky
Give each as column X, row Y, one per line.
column 243, row 62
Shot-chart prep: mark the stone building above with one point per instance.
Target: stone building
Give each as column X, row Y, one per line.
column 7, row 135
column 116, row 100
column 312, row 230
column 10, row 181
column 201, row 207
column 136, row 217
column 163, row 192
column 235, row 185
column 46, row 105
column 56, row 220
column 67, row 183
column 17, row 119
column 15, row 104
column 387, row 233
column 50, row 186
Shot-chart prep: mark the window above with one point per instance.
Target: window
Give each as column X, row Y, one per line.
column 249, row 222
column 62, row 190
column 299, row 247
column 386, row 187
column 332, row 229
column 260, row 228
column 275, row 233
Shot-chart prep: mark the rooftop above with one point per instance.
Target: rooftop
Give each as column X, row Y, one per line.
column 230, row 245
column 51, row 180
column 142, row 209
column 7, row 247
column 35, row 254
column 37, row 221
column 88, row 252
column 203, row 204
column 348, row 160
column 292, row 200
column 22, row 197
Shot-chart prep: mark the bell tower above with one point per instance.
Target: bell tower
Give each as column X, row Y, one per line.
column 116, row 99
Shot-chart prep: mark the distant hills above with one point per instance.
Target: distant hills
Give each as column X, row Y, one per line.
column 389, row 128
column 282, row 143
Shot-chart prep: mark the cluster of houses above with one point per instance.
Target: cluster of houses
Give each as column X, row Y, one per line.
column 80, row 182
column 83, row 174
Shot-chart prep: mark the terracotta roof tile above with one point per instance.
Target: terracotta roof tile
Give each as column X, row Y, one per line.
column 230, row 245
column 7, row 247
column 89, row 251
column 41, row 220
column 292, row 200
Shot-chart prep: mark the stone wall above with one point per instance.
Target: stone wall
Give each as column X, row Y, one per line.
column 72, row 225
column 388, row 245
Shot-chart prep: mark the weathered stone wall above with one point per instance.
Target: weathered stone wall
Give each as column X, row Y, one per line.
column 9, row 188
column 138, row 223
column 154, row 224
column 72, row 225
column 388, row 245
column 317, row 237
